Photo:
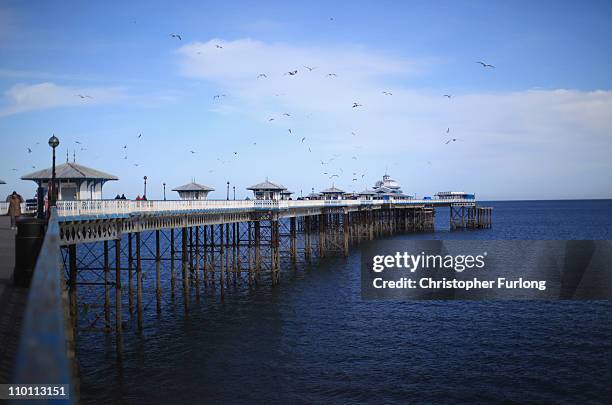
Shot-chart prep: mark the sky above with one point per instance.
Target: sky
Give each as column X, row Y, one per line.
column 536, row 126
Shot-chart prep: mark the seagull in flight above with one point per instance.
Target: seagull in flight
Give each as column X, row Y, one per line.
column 333, row 175
column 446, row 95
column 451, row 140
column 485, row 65
column 176, row 36
column 387, row 93
column 332, row 75
column 271, row 119
column 83, row 96
column 309, row 149
column 218, row 96
column 29, row 150
column 355, row 105
column 291, row 73
column 303, row 139
column 287, row 114
column 218, row 46
column 290, row 131
column 192, row 152
column 353, row 133
column 447, row 130
column 259, row 76
column 310, row 69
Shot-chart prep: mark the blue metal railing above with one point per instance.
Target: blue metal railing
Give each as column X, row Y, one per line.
column 46, row 348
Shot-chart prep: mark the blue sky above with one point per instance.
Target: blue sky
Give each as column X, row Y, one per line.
column 537, row 126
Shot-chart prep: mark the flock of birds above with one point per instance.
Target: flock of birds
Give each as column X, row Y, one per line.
column 356, row 175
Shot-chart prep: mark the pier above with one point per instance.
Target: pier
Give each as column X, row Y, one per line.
column 104, row 263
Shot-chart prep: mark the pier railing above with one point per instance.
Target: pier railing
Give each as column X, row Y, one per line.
column 45, row 353
column 106, row 208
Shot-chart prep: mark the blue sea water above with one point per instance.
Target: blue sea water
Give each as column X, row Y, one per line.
column 313, row 339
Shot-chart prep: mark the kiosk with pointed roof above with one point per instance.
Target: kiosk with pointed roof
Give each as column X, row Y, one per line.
column 75, row 181
column 193, row 191
column 267, row 190
column 332, row 193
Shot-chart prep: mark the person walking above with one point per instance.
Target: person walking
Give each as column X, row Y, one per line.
column 14, row 210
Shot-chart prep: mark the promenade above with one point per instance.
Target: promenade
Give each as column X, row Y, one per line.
column 12, row 302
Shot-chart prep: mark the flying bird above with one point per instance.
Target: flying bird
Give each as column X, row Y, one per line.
column 387, row 93
column 310, row 69
column 291, row 73
column 485, row 65
column 287, row 114
column 77, row 142
column 271, row 119
column 83, row 96
column 332, row 75
column 218, row 46
column 451, row 140
column 447, row 130
column 303, row 139
column 176, row 36
column 290, row 131
column 235, row 153
column 29, row 150
column 446, row 95
column 353, row 133
column 309, row 149
column 218, row 96
column 355, row 105
column 192, row 152
column 262, row 75
column 139, row 136
column 333, row 175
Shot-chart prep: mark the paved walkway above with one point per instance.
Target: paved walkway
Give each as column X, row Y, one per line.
column 12, row 302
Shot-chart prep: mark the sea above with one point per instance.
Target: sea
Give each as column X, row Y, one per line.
column 312, row 339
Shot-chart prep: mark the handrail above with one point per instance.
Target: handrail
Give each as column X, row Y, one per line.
column 43, row 354
column 128, row 207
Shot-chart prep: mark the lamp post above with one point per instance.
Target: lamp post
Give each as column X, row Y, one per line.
column 234, row 189
column 164, row 191
column 228, row 191
column 145, row 188
column 53, row 143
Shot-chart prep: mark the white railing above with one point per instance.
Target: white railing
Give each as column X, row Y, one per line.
column 129, row 207
column 25, row 208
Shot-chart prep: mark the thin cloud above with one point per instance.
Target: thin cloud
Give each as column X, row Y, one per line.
column 30, row 97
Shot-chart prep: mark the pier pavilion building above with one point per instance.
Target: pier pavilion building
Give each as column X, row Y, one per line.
column 450, row 195
column 75, row 181
column 267, row 190
column 286, row 194
column 193, row 191
column 332, row 193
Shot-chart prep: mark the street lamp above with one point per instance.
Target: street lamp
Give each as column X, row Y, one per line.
column 145, row 188
column 234, row 188
column 53, row 143
column 228, row 191
column 164, row 191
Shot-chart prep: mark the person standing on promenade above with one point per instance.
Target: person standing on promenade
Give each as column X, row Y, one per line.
column 14, row 210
